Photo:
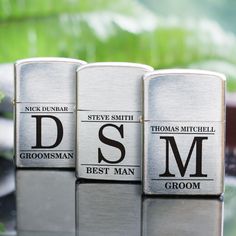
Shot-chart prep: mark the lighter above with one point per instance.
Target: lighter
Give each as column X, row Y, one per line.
column 45, row 97
column 184, row 132
column 108, row 121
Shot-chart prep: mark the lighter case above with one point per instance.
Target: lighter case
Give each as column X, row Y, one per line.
column 108, row 121
column 184, row 132
column 45, row 101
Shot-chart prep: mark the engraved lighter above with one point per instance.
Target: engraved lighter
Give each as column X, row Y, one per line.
column 184, row 126
column 108, row 121
column 45, row 97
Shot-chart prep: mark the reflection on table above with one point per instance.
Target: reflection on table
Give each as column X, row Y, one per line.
column 182, row 217
column 45, row 202
column 107, row 208
column 52, row 203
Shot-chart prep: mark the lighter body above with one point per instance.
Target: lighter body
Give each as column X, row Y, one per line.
column 184, row 132
column 108, row 121
column 45, row 118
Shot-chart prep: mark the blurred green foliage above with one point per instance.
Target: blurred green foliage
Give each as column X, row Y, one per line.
column 104, row 30
column 221, row 11
column 23, row 9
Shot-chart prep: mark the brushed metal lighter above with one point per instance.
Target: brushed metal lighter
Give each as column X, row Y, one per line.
column 108, row 120
column 45, row 97
column 184, row 126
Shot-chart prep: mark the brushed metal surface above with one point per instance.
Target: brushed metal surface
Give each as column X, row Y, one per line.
column 45, row 202
column 112, row 209
column 111, row 86
column 184, row 126
column 46, row 80
column 88, row 143
column 108, row 121
column 184, row 95
column 182, row 217
column 45, row 87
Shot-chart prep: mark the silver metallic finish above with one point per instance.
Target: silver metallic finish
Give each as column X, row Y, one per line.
column 45, row 101
column 167, row 217
column 112, row 209
column 108, row 121
column 45, row 202
column 184, row 126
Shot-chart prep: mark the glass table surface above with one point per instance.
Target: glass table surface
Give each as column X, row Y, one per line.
column 53, row 202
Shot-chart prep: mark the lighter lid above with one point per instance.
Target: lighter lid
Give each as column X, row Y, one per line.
column 111, row 86
column 184, row 95
column 46, row 80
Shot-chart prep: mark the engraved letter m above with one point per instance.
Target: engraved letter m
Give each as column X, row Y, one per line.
column 170, row 142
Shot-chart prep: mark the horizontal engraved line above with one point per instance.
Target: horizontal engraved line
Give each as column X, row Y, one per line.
column 109, row 165
column 112, row 121
column 182, row 133
column 115, row 111
column 51, row 103
column 184, row 121
column 39, row 112
column 45, row 150
column 166, row 179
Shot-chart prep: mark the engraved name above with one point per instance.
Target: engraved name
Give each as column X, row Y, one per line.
column 183, row 129
column 47, row 155
column 182, row 185
column 110, row 117
column 109, row 170
column 46, row 108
